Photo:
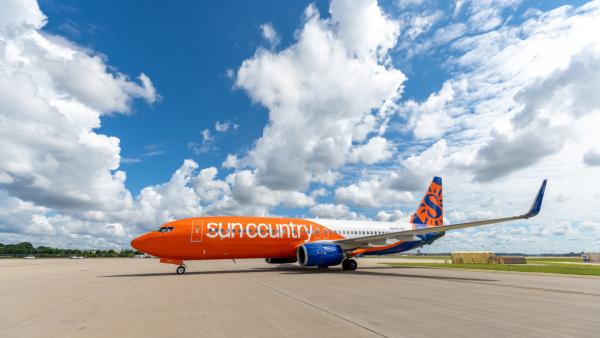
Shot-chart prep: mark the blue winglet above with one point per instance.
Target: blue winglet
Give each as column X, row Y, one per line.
column 537, row 203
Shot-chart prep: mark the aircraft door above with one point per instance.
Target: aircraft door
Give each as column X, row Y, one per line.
column 197, row 231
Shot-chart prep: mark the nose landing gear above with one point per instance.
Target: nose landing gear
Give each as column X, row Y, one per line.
column 180, row 269
column 349, row 264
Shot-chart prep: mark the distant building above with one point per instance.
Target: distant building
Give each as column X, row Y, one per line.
column 473, row 257
column 511, row 260
column 591, row 257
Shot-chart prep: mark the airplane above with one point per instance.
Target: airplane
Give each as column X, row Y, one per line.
column 310, row 242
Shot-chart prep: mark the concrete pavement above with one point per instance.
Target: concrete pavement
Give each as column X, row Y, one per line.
column 142, row 298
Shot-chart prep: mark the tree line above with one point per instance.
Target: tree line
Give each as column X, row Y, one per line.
column 27, row 249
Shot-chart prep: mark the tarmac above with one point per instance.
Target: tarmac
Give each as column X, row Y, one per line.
column 143, row 298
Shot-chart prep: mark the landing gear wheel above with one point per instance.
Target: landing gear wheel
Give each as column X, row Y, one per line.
column 349, row 264
column 180, row 270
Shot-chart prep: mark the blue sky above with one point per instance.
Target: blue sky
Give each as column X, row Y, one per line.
column 345, row 110
column 187, row 54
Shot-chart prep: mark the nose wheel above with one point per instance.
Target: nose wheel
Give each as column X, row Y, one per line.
column 180, row 270
column 349, row 264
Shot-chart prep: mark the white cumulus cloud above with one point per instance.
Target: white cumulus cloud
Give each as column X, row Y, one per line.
column 318, row 90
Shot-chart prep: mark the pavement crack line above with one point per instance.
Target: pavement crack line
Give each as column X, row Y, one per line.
column 571, row 292
column 316, row 307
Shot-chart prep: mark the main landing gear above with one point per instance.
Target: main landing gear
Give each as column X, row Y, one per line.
column 180, row 269
column 349, row 264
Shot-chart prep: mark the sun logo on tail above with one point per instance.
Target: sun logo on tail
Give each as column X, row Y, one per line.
column 430, row 211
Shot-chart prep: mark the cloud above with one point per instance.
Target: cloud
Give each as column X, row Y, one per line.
column 403, row 4
column 487, row 14
column 549, row 107
column 592, row 158
column 318, row 90
column 319, row 192
column 73, row 175
column 130, row 160
column 373, row 193
column 224, row 126
column 208, row 139
column 363, row 28
column 449, row 33
column 376, row 150
column 591, row 227
column 513, row 112
column 269, row 34
column 231, row 161
column 497, row 103
column 520, row 104
column 383, row 216
column 249, row 197
column 431, row 119
column 25, row 13
column 335, row 211
column 151, row 150
column 52, row 95
column 458, row 4
column 202, row 147
column 421, row 23
column 504, row 155
column 396, row 187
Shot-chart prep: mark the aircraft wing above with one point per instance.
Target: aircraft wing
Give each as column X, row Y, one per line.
column 408, row 235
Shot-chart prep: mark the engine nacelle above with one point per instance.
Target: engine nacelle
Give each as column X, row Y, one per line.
column 321, row 254
column 280, row 260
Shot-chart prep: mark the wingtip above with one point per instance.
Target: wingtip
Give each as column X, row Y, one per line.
column 537, row 203
column 437, row 180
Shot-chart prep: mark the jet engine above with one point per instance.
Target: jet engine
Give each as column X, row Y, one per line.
column 320, row 254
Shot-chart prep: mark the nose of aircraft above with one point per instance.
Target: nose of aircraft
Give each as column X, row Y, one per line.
column 141, row 243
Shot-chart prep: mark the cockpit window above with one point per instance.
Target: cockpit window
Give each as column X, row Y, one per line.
column 165, row 229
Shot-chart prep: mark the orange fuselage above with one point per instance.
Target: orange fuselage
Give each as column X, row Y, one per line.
column 232, row 237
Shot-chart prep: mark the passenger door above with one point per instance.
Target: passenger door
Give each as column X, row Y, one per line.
column 197, row 231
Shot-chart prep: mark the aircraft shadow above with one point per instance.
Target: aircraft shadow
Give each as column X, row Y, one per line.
column 290, row 270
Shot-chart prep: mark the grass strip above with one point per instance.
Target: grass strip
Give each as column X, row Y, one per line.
column 571, row 269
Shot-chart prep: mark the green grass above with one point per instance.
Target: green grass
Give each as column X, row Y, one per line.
column 573, row 269
column 410, row 257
